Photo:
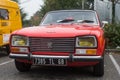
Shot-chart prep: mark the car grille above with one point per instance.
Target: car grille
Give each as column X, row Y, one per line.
column 52, row 44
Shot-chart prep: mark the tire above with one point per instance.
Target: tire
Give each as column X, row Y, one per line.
column 98, row 70
column 22, row 67
column 7, row 49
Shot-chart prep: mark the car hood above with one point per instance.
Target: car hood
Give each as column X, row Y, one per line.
column 64, row 30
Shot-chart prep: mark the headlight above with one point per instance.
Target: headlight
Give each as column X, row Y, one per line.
column 19, row 41
column 86, row 41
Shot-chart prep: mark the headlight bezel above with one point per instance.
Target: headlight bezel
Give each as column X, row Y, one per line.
column 16, row 39
column 87, row 36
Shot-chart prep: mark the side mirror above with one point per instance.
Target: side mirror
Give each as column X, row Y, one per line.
column 104, row 23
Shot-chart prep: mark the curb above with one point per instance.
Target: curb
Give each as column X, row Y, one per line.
column 112, row 50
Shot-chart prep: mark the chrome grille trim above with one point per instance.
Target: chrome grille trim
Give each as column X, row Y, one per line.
column 52, row 44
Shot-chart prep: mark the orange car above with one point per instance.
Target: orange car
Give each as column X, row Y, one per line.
column 64, row 38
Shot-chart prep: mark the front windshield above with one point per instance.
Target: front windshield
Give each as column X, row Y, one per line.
column 59, row 17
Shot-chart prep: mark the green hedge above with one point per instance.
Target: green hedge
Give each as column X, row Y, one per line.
column 112, row 35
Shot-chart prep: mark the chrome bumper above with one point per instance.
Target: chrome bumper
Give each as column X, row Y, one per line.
column 70, row 58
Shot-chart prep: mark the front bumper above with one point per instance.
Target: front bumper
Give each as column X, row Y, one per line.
column 71, row 58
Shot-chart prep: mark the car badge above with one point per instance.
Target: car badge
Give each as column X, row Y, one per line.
column 49, row 44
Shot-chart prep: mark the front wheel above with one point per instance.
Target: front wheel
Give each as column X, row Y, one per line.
column 22, row 67
column 98, row 69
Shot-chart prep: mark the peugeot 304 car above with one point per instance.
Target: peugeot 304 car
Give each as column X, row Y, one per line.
column 71, row 38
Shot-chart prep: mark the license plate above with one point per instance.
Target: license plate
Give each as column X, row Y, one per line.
column 50, row 61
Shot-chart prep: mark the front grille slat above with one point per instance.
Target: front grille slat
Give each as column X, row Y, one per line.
column 52, row 44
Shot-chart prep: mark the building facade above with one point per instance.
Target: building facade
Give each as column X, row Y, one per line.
column 104, row 9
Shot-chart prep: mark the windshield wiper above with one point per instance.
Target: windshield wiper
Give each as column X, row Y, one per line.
column 85, row 21
column 65, row 20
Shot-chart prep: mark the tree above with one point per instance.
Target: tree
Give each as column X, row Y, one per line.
column 16, row 1
column 23, row 15
column 50, row 5
column 89, row 4
column 65, row 4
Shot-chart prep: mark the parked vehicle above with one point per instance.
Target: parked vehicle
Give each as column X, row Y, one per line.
column 64, row 38
column 10, row 20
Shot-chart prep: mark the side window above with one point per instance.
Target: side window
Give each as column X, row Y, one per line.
column 4, row 14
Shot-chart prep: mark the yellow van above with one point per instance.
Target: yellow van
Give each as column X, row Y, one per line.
column 10, row 20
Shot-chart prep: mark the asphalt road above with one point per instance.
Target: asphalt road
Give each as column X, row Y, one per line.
column 9, row 72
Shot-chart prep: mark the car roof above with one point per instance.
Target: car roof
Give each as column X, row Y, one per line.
column 72, row 10
column 8, row 3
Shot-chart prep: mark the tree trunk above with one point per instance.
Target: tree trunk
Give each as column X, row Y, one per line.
column 113, row 11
